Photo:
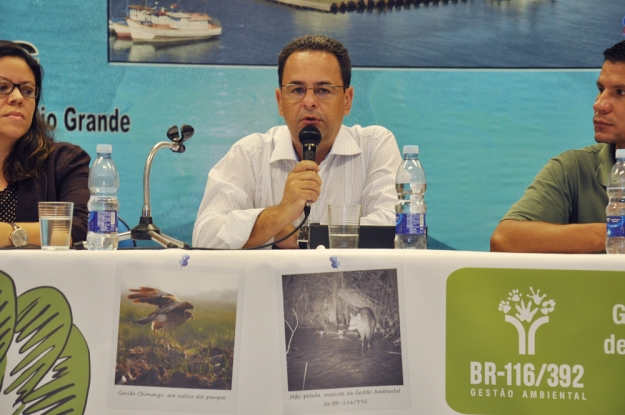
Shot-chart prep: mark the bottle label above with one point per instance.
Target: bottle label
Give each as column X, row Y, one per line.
column 104, row 222
column 616, row 226
column 410, row 224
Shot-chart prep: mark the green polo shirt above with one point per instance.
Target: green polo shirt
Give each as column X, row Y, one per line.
column 569, row 189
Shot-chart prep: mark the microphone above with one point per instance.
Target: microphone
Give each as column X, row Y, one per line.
column 310, row 137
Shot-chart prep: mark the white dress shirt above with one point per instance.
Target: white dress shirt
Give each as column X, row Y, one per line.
column 359, row 169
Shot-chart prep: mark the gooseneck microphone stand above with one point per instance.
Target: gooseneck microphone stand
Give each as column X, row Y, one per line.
column 146, row 230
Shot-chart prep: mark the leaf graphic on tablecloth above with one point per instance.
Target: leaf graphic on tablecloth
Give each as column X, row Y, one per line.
column 43, row 313
column 8, row 310
column 67, row 392
column 41, row 319
column 44, row 318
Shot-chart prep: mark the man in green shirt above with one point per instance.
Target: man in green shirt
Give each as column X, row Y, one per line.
column 563, row 210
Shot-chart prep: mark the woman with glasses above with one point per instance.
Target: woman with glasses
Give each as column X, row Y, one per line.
column 34, row 167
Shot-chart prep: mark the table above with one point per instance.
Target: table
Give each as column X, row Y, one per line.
column 457, row 332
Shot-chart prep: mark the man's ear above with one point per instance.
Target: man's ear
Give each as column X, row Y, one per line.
column 349, row 97
column 279, row 101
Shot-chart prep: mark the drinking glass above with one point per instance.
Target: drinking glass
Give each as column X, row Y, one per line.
column 343, row 225
column 55, row 222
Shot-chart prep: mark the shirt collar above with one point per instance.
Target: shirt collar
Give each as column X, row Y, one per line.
column 344, row 145
column 606, row 161
column 284, row 148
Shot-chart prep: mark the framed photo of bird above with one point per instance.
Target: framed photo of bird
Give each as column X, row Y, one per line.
column 177, row 330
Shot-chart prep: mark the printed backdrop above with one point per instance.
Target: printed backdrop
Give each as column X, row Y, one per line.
column 483, row 133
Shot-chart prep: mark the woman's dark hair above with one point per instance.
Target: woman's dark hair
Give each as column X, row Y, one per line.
column 30, row 152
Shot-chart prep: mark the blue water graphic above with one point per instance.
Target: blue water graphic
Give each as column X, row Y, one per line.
column 452, row 34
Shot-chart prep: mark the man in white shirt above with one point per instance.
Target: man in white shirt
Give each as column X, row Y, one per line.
column 258, row 191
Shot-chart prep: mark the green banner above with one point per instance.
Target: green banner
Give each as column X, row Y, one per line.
column 522, row 341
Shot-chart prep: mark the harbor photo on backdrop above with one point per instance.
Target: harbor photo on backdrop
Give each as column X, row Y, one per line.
column 378, row 33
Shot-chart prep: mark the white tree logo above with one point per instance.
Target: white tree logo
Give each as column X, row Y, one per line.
column 527, row 343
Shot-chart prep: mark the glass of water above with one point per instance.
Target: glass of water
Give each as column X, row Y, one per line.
column 55, row 223
column 343, row 225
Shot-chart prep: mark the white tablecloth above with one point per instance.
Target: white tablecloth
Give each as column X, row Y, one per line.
column 93, row 283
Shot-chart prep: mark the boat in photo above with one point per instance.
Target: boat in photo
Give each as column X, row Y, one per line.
column 121, row 29
column 147, row 24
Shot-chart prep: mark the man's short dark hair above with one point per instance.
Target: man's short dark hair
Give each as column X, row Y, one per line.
column 615, row 53
column 317, row 43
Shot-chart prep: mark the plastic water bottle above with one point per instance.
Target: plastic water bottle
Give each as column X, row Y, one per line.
column 410, row 229
column 615, row 212
column 103, row 205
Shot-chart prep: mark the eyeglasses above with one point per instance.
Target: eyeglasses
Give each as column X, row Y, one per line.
column 27, row 90
column 322, row 92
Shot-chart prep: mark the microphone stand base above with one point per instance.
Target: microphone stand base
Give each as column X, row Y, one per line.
column 147, row 231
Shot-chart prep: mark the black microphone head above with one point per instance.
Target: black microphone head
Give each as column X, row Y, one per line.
column 187, row 132
column 310, row 135
column 173, row 133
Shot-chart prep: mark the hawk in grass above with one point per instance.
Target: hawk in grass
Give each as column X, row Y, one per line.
column 171, row 311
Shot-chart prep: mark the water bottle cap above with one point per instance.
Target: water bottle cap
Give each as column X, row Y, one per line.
column 620, row 153
column 104, row 148
column 411, row 149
